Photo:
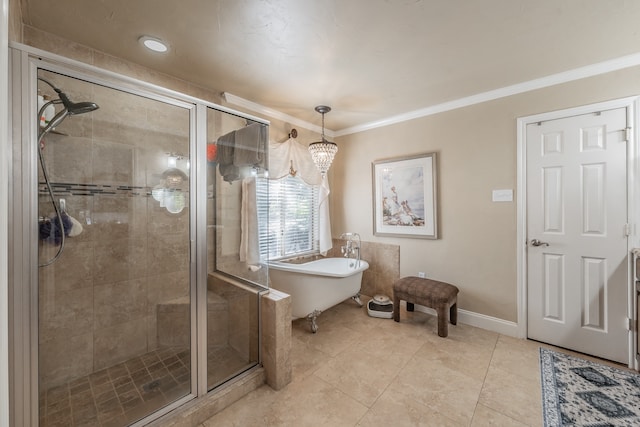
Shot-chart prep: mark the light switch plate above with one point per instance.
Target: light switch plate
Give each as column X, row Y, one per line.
column 502, row 196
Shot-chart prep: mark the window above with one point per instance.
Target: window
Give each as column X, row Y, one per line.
column 287, row 217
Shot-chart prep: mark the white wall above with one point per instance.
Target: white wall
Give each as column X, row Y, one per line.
column 477, row 148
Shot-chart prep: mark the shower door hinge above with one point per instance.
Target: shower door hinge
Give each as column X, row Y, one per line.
column 627, row 134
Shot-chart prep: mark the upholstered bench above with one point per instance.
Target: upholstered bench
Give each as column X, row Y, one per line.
column 440, row 296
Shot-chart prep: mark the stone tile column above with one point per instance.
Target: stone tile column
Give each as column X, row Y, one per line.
column 276, row 338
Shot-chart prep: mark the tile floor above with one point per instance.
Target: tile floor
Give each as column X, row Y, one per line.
column 120, row 394
column 356, row 371
column 364, row 371
column 124, row 393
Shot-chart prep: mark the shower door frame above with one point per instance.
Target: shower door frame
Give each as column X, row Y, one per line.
column 23, row 237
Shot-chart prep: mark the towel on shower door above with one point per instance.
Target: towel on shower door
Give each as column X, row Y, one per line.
column 250, row 146
column 226, row 145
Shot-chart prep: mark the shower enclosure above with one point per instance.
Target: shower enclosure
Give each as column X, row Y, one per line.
column 130, row 296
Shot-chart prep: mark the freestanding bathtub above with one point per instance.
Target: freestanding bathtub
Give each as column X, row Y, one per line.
column 318, row 285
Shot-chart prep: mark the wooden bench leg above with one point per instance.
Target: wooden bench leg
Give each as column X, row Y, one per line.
column 443, row 327
column 396, row 308
column 453, row 313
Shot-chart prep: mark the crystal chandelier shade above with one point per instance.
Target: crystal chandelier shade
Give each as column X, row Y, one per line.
column 323, row 152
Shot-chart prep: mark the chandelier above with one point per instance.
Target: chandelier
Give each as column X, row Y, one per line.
column 323, row 152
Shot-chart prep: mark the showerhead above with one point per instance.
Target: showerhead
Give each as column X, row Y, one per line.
column 73, row 108
column 70, row 109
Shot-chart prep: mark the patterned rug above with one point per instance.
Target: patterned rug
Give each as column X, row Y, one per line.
column 577, row 392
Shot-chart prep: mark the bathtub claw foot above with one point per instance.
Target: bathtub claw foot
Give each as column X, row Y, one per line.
column 312, row 318
column 357, row 299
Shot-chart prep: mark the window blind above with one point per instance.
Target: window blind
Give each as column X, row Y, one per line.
column 287, row 217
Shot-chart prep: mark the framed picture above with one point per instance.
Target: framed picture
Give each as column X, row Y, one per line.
column 405, row 197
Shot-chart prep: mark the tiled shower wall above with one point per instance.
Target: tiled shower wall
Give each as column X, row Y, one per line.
column 98, row 302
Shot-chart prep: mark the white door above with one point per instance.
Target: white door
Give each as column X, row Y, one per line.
column 577, row 233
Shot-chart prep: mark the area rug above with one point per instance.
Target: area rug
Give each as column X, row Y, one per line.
column 577, row 392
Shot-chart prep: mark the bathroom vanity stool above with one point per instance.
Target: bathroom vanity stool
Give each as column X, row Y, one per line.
column 440, row 296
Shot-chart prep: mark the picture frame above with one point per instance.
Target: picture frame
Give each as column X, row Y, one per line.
column 405, row 197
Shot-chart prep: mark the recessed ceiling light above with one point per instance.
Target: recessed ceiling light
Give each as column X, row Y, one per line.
column 153, row 43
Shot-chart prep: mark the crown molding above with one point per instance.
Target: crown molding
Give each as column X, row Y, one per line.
column 540, row 83
column 275, row 114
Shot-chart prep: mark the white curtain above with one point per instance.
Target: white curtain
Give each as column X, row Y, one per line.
column 291, row 154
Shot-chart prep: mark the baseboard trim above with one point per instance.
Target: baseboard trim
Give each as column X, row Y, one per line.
column 478, row 320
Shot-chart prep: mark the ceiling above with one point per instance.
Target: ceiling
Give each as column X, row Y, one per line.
column 367, row 59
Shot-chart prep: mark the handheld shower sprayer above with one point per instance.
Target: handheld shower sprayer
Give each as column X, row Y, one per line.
column 69, row 109
column 73, row 108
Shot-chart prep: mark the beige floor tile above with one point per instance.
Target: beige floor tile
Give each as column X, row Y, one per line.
column 472, row 335
column 418, row 325
column 312, row 402
column 250, row 410
column 363, row 376
column 352, row 316
column 471, row 359
column 389, row 345
column 484, row 416
column 396, row 409
column 363, row 371
column 432, row 383
column 331, row 338
column 305, row 359
column 465, row 364
column 513, row 395
column 517, row 356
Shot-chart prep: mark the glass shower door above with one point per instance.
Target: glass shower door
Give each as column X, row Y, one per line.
column 236, row 155
column 115, row 306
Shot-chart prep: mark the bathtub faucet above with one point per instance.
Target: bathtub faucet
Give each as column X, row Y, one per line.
column 347, row 249
column 351, row 246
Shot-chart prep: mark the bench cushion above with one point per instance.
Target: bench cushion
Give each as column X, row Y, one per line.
column 424, row 291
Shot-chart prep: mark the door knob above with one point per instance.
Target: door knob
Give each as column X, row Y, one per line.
column 536, row 242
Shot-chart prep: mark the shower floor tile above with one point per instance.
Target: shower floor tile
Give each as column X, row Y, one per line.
column 124, row 393
column 118, row 395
